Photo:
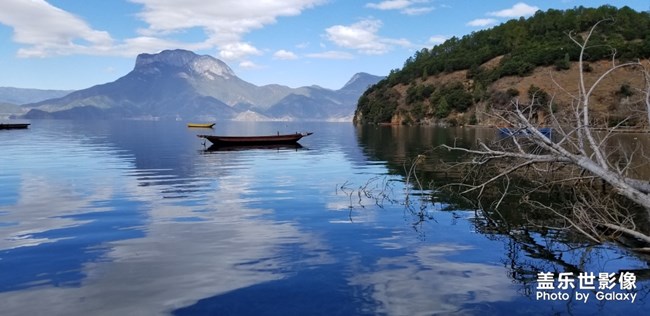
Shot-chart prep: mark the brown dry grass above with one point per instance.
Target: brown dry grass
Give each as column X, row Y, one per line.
column 564, row 84
column 561, row 85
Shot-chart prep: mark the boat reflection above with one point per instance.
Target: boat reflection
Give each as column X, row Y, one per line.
column 218, row 148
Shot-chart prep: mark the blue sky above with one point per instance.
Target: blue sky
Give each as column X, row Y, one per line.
column 73, row 44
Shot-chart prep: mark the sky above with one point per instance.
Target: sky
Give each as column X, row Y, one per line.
column 74, row 44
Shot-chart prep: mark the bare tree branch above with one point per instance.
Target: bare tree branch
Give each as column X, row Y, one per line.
column 594, row 167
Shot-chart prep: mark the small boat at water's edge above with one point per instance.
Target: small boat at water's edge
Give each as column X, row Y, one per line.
column 255, row 140
column 13, row 125
column 200, row 125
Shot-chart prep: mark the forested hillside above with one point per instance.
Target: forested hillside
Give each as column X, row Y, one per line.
column 449, row 82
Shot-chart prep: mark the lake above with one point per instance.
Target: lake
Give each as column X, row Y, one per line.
column 138, row 218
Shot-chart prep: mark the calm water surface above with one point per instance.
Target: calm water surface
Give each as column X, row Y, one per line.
column 136, row 218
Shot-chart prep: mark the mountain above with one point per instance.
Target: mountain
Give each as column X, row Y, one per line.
column 456, row 81
column 316, row 102
column 11, row 98
column 179, row 84
column 17, row 96
column 8, row 110
column 360, row 82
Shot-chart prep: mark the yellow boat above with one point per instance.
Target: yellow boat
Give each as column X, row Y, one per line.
column 201, row 125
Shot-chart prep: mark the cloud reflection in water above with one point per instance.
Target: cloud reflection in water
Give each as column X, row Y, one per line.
column 173, row 264
column 426, row 283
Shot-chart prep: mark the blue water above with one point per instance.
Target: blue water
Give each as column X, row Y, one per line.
column 137, row 218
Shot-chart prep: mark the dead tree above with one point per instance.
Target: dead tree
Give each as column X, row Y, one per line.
column 586, row 161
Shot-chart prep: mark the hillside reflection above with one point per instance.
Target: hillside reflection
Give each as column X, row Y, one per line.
column 106, row 222
column 530, row 246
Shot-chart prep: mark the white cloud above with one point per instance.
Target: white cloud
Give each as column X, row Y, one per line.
column 45, row 30
column 410, row 7
column 518, row 10
column 397, row 42
column 362, row 36
column 331, row 55
column 284, row 55
column 417, row 11
column 248, row 64
column 481, row 22
column 48, row 30
column 238, row 51
column 437, row 39
column 149, row 44
column 390, row 5
column 224, row 22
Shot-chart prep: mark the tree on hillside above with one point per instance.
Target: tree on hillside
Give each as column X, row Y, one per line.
column 588, row 172
column 442, row 108
column 519, row 46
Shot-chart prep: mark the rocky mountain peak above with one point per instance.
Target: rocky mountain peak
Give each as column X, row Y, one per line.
column 356, row 77
column 361, row 81
column 176, row 57
column 210, row 66
column 203, row 65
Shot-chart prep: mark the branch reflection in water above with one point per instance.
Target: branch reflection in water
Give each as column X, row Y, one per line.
column 532, row 245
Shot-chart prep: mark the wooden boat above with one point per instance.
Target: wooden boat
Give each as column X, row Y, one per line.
column 200, row 125
column 13, row 125
column 254, row 140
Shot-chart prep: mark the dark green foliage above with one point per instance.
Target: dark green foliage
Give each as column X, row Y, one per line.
column 539, row 98
column 625, row 90
column 479, row 92
column 474, row 71
column 418, row 111
column 380, row 108
column 564, row 63
column 416, row 93
column 442, row 108
column 473, row 120
column 454, row 95
column 457, row 97
column 515, row 67
column 512, row 92
column 540, row 40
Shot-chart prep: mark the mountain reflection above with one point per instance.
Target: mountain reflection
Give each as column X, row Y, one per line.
column 170, row 263
column 106, row 222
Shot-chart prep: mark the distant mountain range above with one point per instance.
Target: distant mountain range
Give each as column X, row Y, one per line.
column 17, row 96
column 11, row 99
column 179, row 84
